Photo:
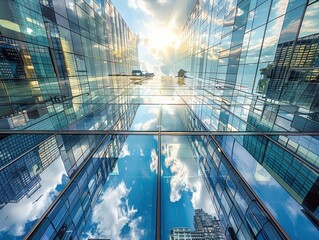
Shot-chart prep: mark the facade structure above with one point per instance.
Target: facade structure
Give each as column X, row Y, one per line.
column 68, row 216
column 244, row 122
column 254, row 69
column 57, row 59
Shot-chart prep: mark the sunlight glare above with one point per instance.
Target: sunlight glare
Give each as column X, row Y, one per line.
column 162, row 38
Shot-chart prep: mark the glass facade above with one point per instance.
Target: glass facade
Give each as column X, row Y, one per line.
column 59, row 62
column 227, row 152
column 57, row 51
column 253, row 68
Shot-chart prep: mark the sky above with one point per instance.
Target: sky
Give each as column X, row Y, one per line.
column 158, row 23
column 126, row 207
column 129, row 196
column 16, row 219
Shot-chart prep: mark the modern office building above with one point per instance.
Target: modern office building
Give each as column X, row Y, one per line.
column 206, row 228
column 70, row 213
column 87, row 153
column 254, row 67
column 207, row 224
column 56, row 61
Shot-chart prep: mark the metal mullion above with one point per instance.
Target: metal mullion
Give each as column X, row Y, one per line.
column 52, row 133
column 268, row 136
column 251, row 190
column 176, row 133
column 158, row 189
column 245, row 182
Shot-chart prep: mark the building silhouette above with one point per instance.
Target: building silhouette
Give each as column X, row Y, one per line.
column 206, row 228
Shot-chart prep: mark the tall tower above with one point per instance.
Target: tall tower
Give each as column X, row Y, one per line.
column 206, row 228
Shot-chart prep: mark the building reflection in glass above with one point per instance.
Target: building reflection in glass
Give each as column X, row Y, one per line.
column 297, row 82
column 229, row 140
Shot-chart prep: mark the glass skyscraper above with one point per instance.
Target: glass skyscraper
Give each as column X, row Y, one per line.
column 58, row 59
column 88, row 152
column 254, row 69
column 206, row 228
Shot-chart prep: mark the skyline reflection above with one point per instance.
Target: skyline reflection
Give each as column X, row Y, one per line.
column 99, row 139
column 127, row 191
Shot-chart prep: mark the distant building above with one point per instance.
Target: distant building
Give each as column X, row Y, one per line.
column 206, row 228
column 293, row 76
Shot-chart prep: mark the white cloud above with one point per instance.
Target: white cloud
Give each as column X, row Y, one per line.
column 201, row 198
column 141, row 153
column 148, row 61
column 142, row 5
column 125, row 151
column 154, row 159
column 180, row 174
column 169, row 109
column 287, row 32
column 135, row 232
column 146, row 7
column 113, row 213
column 185, row 178
column 180, row 179
column 148, row 125
column 138, row 126
column 158, row 23
column 14, row 216
column 132, row 3
column 280, row 7
column 154, row 111
column 162, row 1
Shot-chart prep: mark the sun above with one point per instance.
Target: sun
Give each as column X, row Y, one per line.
column 162, row 37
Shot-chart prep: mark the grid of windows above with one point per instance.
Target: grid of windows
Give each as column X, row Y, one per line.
column 250, row 92
column 70, row 214
column 58, row 60
column 258, row 61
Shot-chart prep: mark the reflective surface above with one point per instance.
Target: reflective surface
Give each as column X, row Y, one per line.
column 126, row 207
column 230, row 151
column 257, row 72
column 122, row 183
column 183, row 187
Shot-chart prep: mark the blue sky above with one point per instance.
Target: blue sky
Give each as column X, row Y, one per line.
column 126, row 208
column 127, row 205
column 158, row 23
column 16, row 219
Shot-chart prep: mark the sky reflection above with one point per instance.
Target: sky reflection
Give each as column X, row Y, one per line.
column 183, row 189
column 126, row 207
column 146, row 118
column 129, row 196
column 16, row 219
column 283, row 206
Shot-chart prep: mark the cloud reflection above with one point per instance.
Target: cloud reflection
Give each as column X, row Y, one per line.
column 125, row 151
column 15, row 216
column 114, row 213
column 148, row 125
column 185, row 178
column 154, row 159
